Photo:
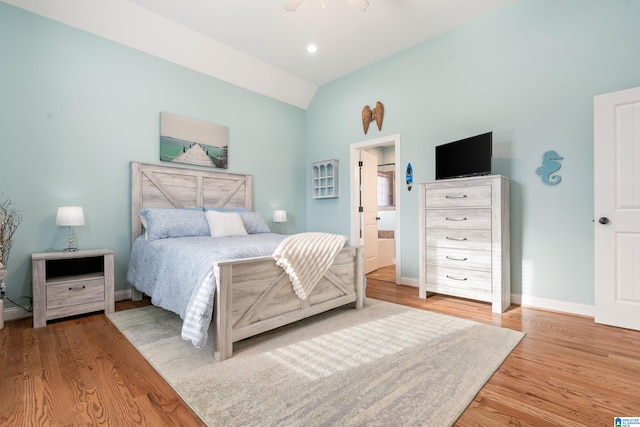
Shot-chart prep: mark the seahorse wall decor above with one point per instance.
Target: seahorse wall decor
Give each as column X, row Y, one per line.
column 550, row 165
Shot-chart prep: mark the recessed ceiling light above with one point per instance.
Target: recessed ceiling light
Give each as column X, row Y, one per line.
column 312, row 48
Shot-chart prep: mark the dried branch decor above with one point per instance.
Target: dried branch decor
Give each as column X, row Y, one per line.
column 10, row 219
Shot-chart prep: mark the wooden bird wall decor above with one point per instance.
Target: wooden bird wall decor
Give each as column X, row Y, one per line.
column 369, row 115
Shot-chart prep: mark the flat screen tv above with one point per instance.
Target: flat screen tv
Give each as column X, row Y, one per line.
column 466, row 157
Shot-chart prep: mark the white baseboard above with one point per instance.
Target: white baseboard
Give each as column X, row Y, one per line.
column 535, row 302
column 122, row 295
column 553, row 305
column 15, row 313
column 409, row 281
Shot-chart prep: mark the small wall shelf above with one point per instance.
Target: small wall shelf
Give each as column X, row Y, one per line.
column 324, row 179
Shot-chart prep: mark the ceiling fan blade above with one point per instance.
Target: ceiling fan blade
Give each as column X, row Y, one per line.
column 359, row 4
column 291, row 5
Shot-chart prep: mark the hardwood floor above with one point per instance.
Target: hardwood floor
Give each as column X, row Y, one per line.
column 82, row 371
column 567, row 371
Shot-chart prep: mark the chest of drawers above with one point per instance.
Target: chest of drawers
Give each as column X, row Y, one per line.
column 464, row 239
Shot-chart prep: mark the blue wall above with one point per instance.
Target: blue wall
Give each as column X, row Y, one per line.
column 76, row 109
column 529, row 74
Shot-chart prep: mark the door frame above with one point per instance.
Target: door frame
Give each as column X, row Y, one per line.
column 354, row 151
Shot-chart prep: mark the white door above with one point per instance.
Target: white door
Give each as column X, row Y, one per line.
column 369, row 221
column 617, row 208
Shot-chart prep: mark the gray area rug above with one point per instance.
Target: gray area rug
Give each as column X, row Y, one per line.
column 384, row 365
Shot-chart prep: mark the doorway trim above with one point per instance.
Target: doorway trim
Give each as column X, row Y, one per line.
column 354, row 151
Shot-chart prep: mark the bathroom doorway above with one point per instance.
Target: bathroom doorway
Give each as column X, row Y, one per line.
column 386, row 151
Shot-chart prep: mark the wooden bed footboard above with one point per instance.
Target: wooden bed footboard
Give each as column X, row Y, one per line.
column 255, row 295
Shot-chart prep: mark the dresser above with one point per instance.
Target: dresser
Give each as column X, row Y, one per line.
column 464, row 239
column 71, row 283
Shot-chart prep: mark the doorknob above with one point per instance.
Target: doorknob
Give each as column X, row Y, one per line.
column 603, row 220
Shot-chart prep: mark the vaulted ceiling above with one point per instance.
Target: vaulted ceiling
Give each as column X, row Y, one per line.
column 257, row 44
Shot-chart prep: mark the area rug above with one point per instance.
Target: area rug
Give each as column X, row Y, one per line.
column 383, row 365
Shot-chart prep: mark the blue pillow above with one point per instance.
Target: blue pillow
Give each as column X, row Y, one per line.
column 163, row 223
column 253, row 222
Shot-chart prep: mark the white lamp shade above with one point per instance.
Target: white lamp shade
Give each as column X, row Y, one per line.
column 279, row 216
column 70, row 216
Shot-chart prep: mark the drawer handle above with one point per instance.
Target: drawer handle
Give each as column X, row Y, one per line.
column 461, row 218
column 462, row 279
column 77, row 289
column 453, row 258
column 458, row 239
column 455, row 196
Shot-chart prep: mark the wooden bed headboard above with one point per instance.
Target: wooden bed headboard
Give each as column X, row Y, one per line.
column 159, row 186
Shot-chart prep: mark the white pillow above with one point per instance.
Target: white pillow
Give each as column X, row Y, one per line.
column 225, row 224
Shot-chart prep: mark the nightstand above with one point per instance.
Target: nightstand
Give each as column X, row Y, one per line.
column 71, row 283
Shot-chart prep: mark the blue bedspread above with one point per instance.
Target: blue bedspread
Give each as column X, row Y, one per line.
column 177, row 273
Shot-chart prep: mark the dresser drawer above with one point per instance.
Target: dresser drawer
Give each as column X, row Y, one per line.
column 459, row 258
column 477, row 196
column 461, row 239
column 477, row 281
column 470, row 219
column 74, row 293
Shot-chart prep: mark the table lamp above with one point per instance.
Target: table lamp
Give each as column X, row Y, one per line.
column 279, row 217
column 70, row 216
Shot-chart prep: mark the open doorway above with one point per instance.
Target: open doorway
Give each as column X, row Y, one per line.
column 377, row 229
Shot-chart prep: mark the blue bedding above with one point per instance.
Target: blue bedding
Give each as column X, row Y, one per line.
column 177, row 273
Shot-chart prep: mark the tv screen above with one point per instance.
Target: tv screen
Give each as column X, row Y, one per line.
column 466, row 157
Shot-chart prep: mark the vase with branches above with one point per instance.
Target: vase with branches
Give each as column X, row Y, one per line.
column 10, row 219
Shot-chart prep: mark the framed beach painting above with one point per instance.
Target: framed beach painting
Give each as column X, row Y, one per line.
column 192, row 141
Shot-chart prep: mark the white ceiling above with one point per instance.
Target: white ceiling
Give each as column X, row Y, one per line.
column 347, row 39
column 257, row 45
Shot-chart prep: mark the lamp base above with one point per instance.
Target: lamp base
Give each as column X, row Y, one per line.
column 71, row 247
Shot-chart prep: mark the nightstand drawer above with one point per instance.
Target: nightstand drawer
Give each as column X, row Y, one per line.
column 447, row 197
column 470, row 219
column 74, row 293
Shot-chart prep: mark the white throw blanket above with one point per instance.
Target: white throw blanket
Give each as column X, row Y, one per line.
column 306, row 257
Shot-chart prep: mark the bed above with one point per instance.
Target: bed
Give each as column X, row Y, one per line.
column 250, row 295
